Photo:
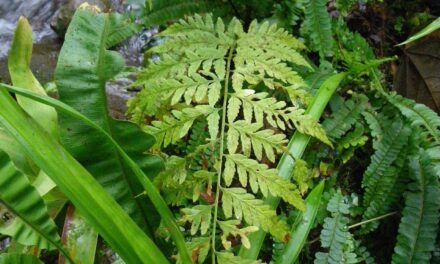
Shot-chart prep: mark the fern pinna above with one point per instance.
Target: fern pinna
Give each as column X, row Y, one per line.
column 226, row 78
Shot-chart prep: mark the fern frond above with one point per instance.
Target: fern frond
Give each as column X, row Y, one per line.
column 419, row 224
column 395, row 139
column 172, row 128
column 252, row 137
column 230, row 258
column 334, row 234
column 199, row 216
column 317, row 26
column 261, row 178
column 419, row 115
column 376, row 125
column 345, row 117
column 237, row 202
column 230, row 228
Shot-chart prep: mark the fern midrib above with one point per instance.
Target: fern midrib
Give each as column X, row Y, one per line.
column 221, row 149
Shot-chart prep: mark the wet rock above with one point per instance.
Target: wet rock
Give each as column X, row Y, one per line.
column 64, row 14
column 117, row 97
column 46, row 42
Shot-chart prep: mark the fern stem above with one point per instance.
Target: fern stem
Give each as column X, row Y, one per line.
column 372, row 220
column 222, row 140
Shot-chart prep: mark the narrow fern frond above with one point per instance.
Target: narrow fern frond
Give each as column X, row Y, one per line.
column 261, row 178
column 335, row 236
column 237, row 202
column 345, row 117
column 172, row 128
column 419, row 115
column 317, row 26
column 395, row 139
column 419, row 224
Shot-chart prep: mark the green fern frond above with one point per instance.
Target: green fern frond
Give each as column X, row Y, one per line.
column 261, row 178
column 230, row 228
column 230, row 258
column 237, row 202
column 199, row 216
column 395, row 139
column 335, row 236
column 172, row 128
column 420, row 116
column 251, row 136
column 345, row 117
column 376, row 125
column 317, row 27
column 420, row 217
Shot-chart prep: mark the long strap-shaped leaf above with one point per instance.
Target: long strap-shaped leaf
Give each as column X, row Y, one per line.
column 33, row 225
column 295, row 150
column 101, row 211
column 302, row 226
column 150, row 189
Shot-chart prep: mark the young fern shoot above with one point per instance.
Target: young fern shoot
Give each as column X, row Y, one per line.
column 225, row 79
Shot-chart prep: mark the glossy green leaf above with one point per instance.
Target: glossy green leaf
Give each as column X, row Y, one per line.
column 302, row 226
column 30, row 223
column 83, row 67
column 100, row 210
column 295, row 150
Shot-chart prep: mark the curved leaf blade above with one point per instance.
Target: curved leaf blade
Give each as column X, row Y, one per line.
column 32, row 224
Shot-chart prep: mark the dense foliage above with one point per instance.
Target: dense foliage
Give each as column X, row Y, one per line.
column 239, row 129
